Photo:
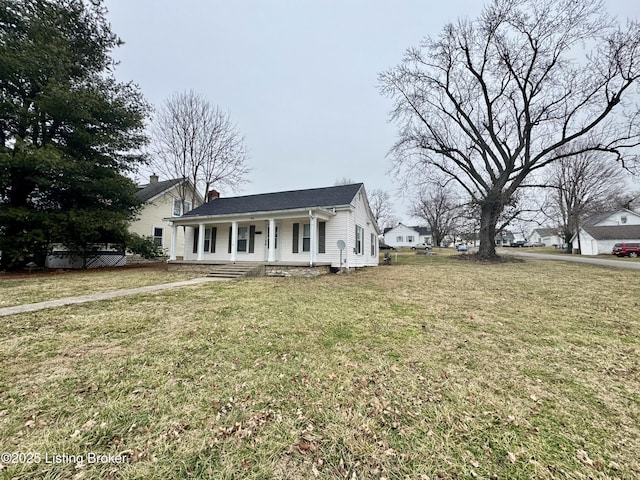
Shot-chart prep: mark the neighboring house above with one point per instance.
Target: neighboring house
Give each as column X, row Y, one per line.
column 505, row 239
column 301, row 227
column 163, row 199
column 548, row 236
column 599, row 233
column 404, row 236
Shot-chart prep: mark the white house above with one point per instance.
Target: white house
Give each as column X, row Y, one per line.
column 547, row 236
column 168, row 198
column 404, row 236
column 305, row 227
column 599, row 233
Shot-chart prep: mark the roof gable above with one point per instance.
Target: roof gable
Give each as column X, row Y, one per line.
column 546, row 232
column 327, row 197
column 152, row 190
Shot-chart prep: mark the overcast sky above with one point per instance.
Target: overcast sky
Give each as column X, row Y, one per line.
column 298, row 77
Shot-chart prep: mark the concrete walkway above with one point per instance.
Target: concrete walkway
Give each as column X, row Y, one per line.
column 634, row 265
column 93, row 297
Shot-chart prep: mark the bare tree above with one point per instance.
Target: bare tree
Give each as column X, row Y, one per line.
column 440, row 207
column 196, row 140
column 343, row 181
column 581, row 186
column 491, row 101
column 381, row 207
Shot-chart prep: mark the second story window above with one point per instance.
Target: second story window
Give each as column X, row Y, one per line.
column 177, row 207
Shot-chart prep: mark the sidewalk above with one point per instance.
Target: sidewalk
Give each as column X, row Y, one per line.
column 93, row 297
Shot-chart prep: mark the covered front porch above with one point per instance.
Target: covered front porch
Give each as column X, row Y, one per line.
column 287, row 239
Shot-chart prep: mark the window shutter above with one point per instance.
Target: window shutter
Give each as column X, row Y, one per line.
column 252, row 238
column 322, row 228
column 214, row 234
column 230, row 232
column 296, row 236
column 196, row 232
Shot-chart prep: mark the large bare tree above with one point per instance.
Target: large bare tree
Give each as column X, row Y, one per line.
column 440, row 207
column 196, row 140
column 580, row 186
column 530, row 82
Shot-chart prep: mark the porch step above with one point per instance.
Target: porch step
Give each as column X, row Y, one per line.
column 232, row 271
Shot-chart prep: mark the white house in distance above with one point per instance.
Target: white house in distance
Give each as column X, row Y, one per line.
column 163, row 199
column 599, row 233
column 301, row 227
column 404, row 236
column 548, row 236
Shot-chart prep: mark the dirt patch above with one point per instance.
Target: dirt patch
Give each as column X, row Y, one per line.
column 474, row 257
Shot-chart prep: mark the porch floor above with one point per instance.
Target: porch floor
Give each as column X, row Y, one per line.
column 239, row 262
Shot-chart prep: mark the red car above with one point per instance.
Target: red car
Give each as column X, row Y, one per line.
column 626, row 250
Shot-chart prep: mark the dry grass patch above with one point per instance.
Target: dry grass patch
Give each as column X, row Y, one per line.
column 431, row 368
column 39, row 288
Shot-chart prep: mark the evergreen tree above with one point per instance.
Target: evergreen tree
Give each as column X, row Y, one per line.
column 67, row 130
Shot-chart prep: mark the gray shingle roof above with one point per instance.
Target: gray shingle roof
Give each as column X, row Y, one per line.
column 147, row 192
column 327, row 197
column 615, row 232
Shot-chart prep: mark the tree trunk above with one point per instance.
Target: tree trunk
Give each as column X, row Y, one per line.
column 489, row 213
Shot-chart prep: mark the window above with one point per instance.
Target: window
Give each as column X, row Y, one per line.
column 373, row 244
column 210, row 235
column 306, row 237
column 177, row 207
column 399, row 239
column 623, row 219
column 359, row 240
column 409, row 238
column 242, row 239
column 157, row 236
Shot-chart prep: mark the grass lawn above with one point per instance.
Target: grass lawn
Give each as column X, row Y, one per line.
column 430, row 368
column 18, row 290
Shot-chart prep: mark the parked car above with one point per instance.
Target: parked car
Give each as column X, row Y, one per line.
column 626, row 250
column 421, row 246
column 384, row 246
column 462, row 248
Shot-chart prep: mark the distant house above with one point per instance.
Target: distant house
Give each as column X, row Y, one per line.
column 599, row 233
column 295, row 227
column 163, row 199
column 548, row 236
column 404, row 236
column 505, row 239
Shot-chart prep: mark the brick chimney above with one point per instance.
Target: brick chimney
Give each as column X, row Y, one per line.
column 212, row 195
column 153, row 178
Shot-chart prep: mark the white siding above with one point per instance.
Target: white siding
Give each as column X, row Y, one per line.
column 391, row 237
column 623, row 217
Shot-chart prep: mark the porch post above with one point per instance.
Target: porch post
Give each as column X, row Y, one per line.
column 201, row 241
column 313, row 227
column 172, row 248
column 272, row 240
column 234, row 241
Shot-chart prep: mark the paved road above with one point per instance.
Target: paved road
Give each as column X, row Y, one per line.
column 60, row 302
column 634, row 265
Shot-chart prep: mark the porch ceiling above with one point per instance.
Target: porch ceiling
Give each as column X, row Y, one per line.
column 320, row 213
